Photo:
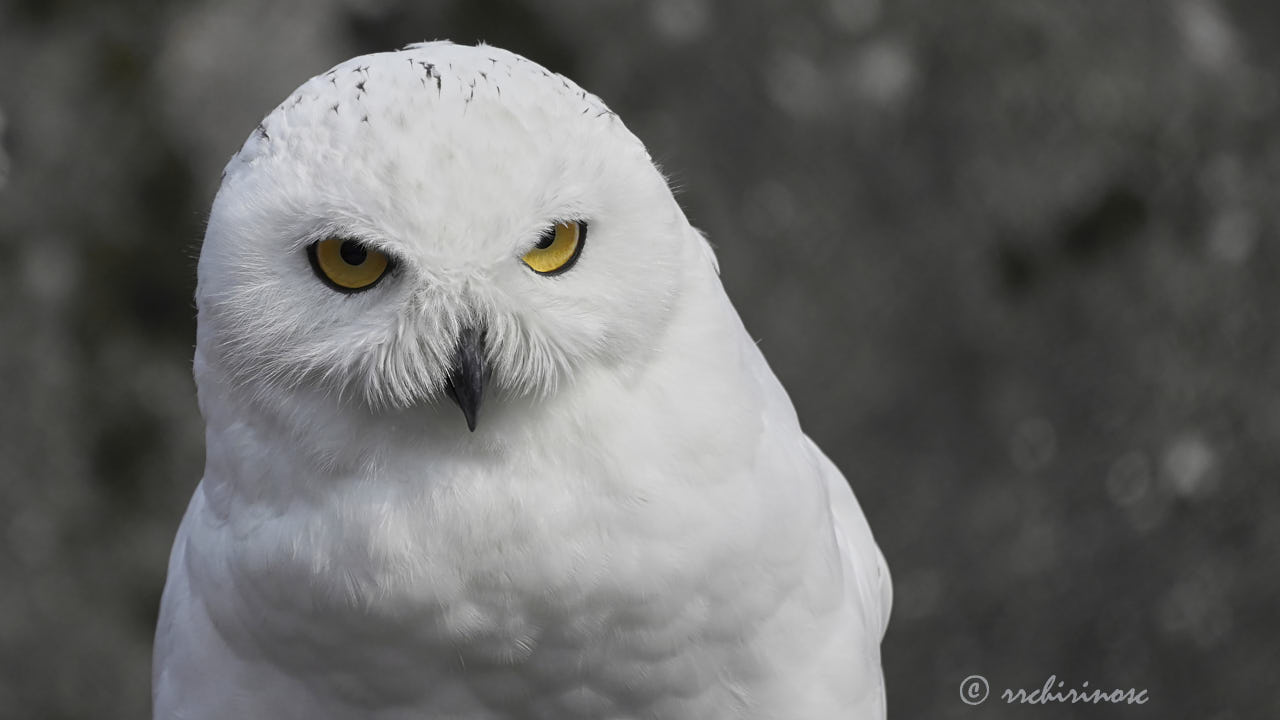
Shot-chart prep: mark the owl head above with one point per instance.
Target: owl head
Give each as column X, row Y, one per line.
column 435, row 226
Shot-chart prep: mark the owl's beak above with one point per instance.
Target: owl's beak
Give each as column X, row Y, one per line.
column 470, row 372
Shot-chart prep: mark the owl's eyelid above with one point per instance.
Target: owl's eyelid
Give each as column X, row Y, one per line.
column 372, row 242
column 524, row 248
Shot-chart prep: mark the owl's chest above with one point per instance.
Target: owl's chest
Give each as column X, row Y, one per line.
column 581, row 594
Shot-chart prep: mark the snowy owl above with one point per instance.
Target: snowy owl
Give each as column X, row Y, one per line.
column 625, row 520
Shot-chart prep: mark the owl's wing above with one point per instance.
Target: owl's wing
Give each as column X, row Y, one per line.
column 867, row 585
column 868, row 571
column 192, row 668
column 174, row 678
column 866, row 574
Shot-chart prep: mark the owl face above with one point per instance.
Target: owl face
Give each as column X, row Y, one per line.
column 439, row 222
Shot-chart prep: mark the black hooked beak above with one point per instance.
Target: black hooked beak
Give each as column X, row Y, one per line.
column 470, row 372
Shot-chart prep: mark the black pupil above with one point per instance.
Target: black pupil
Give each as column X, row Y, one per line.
column 352, row 252
column 548, row 237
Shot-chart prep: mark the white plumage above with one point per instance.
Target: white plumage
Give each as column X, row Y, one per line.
column 637, row 527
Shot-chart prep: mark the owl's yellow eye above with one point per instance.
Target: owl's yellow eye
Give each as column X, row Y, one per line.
column 558, row 248
column 347, row 265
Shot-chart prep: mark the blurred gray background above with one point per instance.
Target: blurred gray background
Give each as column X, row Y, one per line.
column 1015, row 261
